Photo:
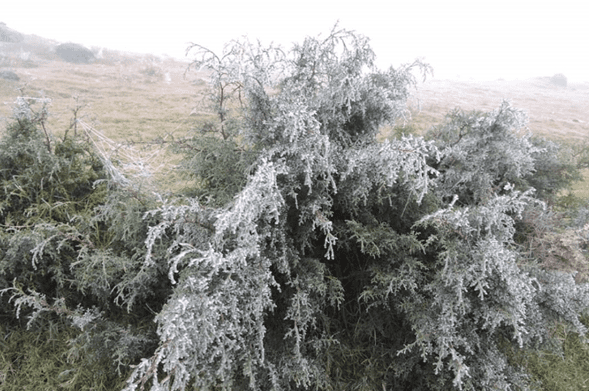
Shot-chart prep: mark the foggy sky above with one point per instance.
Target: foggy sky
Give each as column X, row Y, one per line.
column 466, row 39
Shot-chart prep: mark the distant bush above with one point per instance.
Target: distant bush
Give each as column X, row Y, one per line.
column 153, row 72
column 9, row 75
column 75, row 53
column 559, row 79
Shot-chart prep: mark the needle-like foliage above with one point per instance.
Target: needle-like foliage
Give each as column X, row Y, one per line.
column 308, row 255
column 72, row 246
column 341, row 262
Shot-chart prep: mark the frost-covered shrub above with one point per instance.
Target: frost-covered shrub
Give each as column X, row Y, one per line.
column 45, row 184
column 336, row 262
column 308, row 255
column 72, row 245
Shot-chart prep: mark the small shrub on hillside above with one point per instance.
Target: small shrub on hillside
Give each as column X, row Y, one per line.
column 152, row 69
column 559, row 79
column 75, row 53
column 9, row 75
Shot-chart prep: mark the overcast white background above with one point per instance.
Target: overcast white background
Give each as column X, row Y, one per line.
column 483, row 40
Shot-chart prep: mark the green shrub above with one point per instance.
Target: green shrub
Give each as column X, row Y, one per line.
column 45, row 185
column 555, row 170
column 72, row 233
column 40, row 359
column 561, row 367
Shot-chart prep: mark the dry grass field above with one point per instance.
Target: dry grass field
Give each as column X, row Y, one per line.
column 137, row 98
column 130, row 97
